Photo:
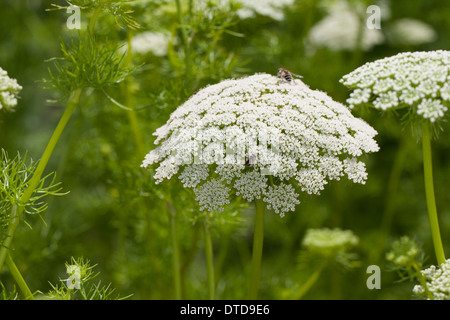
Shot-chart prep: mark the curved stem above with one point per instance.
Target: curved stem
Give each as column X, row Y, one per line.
column 423, row 281
column 209, row 258
column 12, row 225
column 16, row 210
column 258, row 238
column 71, row 104
column 18, row 278
column 429, row 191
column 310, row 282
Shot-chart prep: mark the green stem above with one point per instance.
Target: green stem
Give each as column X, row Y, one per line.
column 18, row 278
column 186, row 40
column 12, row 225
column 423, row 281
column 175, row 251
column 258, row 238
column 309, row 283
column 391, row 196
column 16, row 211
column 209, row 258
column 132, row 117
column 34, row 181
column 429, row 191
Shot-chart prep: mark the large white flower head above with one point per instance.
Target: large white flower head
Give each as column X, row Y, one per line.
column 260, row 138
column 9, row 89
column 420, row 80
column 437, row 282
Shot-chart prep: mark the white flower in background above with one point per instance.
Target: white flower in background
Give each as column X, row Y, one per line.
column 269, row 8
column 409, row 31
column 260, row 138
column 9, row 89
column 149, row 41
column 437, row 282
column 417, row 79
column 329, row 240
column 340, row 30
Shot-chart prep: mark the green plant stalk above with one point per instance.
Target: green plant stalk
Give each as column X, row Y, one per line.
column 429, row 191
column 132, row 117
column 209, row 258
column 18, row 278
column 175, row 250
column 423, row 281
column 34, row 181
column 186, row 40
column 16, row 211
column 310, row 282
column 12, row 225
column 258, row 238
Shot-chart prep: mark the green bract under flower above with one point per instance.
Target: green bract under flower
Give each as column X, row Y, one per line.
column 9, row 89
column 417, row 79
column 260, row 138
column 437, row 282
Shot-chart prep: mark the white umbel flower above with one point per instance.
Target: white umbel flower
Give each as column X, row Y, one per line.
column 258, row 137
column 409, row 31
column 150, row 41
column 340, row 31
column 9, row 89
column 329, row 239
column 418, row 79
column 212, row 195
column 437, row 282
column 268, row 8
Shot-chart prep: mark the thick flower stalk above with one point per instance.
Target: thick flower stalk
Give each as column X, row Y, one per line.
column 418, row 81
column 9, row 89
column 260, row 138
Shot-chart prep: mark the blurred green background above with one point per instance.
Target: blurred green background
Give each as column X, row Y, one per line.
column 115, row 216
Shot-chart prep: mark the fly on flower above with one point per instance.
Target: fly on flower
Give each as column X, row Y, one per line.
column 286, row 75
column 250, row 160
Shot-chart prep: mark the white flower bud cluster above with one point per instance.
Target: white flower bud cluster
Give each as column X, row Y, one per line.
column 9, row 89
column 260, row 137
column 437, row 282
column 418, row 79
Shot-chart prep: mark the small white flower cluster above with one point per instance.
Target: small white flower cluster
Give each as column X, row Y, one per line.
column 339, row 30
column 258, row 137
column 418, row 79
column 409, row 31
column 329, row 239
column 9, row 89
column 269, row 8
column 437, row 282
column 149, row 41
